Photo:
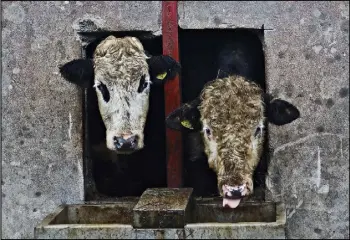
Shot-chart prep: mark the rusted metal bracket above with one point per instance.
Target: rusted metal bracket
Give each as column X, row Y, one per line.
column 172, row 94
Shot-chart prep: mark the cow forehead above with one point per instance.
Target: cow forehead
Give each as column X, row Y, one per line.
column 233, row 108
column 120, row 61
column 231, row 101
column 113, row 45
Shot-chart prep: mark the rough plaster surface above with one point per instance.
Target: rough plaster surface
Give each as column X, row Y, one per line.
column 307, row 57
column 41, row 113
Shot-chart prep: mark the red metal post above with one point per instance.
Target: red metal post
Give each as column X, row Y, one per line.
column 172, row 94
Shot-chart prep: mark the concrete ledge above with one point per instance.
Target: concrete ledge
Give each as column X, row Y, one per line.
column 106, row 221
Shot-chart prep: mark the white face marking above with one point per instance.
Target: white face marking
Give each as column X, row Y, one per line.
column 126, row 111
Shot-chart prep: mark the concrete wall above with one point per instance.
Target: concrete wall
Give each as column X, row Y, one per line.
column 307, row 58
column 41, row 113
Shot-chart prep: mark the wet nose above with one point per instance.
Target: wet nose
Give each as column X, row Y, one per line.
column 125, row 143
column 235, row 194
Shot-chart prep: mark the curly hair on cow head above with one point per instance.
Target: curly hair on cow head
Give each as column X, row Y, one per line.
column 233, row 113
column 232, row 109
column 122, row 72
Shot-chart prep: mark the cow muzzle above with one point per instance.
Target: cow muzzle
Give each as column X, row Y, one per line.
column 126, row 143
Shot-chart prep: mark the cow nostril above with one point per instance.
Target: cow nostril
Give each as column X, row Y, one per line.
column 236, row 193
column 133, row 141
column 123, row 143
column 118, row 141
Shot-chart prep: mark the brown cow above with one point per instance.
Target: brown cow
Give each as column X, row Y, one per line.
column 231, row 114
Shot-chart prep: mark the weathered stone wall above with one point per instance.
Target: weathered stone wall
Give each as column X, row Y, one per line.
column 41, row 113
column 307, row 58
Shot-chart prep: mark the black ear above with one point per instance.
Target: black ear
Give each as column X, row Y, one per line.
column 162, row 68
column 80, row 72
column 280, row 112
column 186, row 117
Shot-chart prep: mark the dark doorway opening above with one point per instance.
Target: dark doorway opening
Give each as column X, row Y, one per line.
column 199, row 50
column 106, row 174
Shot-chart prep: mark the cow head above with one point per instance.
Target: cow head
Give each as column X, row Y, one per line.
column 122, row 74
column 231, row 114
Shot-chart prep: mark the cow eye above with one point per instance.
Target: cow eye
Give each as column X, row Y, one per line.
column 258, row 132
column 143, row 84
column 104, row 91
column 207, row 131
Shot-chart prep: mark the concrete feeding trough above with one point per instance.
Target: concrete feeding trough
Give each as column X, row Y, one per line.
column 183, row 217
column 88, row 221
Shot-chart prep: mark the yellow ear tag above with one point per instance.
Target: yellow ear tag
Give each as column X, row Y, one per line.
column 161, row 76
column 186, row 124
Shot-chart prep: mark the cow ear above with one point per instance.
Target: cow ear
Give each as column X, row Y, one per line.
column 186, row 117
column 280, row 112
column 79, row 72
column 162, row 68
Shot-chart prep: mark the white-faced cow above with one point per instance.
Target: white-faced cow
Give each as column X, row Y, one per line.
column 122, row 73
column 231, row 114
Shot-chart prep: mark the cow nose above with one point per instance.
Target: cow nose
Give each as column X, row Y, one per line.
column 236, row 194
column 122, row 143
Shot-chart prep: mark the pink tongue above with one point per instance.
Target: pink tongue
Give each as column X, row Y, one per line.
column 232, row 203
